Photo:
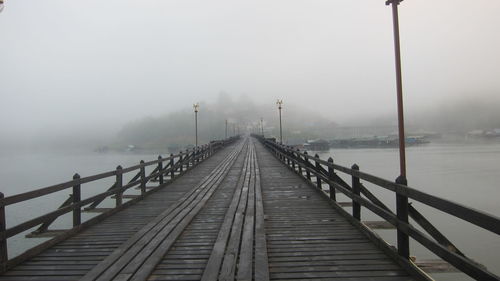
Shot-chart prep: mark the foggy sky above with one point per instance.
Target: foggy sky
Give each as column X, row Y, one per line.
column 69, row 65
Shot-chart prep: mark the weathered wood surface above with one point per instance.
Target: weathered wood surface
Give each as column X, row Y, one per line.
column 74, row 257
column 307, row 239
column 240, row 215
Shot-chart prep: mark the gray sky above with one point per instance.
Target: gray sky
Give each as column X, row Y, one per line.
column 67, row 64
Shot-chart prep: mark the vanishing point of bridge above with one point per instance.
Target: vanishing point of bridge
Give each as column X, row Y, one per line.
column 239, row 209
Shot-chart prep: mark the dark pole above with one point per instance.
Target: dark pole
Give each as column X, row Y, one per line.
column 279, row 103
column 403, row 240
column 262, row 125
column 196, row 106
column 399, row 83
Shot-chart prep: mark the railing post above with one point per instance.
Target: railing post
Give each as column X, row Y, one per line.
column 402, row 214
column 118, row 185
column 298, row 163
column 331, row 175
column 193, row 158
column 187, row 161
column 318, row 169
column 172, row 171
column 143, row 177
column 4, row 257
column 356, row 208
column 160, row 169
column 77, row 197
column 292, row 155
column 288, row 156
column 306, row 160
column 181, row 167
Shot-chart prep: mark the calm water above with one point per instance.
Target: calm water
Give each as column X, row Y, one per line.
column 468, row 174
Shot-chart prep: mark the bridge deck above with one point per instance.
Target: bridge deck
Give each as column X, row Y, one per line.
column 239, row 215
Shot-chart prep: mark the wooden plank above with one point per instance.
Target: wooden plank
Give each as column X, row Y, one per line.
column 217, row 255
column 306, row 239
column 121, row 258
column 245, row 264
column 261, row 258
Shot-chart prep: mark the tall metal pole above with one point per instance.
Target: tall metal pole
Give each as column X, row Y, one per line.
column 262, row 125
column 196, row 106
column 403, row 240
column 280, row 103
column 399, row 83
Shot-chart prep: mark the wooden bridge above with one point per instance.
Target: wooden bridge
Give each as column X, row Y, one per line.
column 238, row 209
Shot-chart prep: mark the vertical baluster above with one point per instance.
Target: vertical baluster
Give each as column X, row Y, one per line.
column 118, row 185
column 288, row 156
column 172, row 171
column 331, row 175
column 356, row 208
column 187, row 159
column 318, row 171
column 306, row 160
column 298, row 163
column 402, row 214
column 160, row 169
column 181, row 168
column 143, row 177
column 193, row 158
column 77, row 197
column 4, row 257
column 292, row 156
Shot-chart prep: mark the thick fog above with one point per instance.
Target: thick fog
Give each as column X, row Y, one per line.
column 94, row 66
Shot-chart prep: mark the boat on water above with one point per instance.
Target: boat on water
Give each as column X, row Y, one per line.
column 377, row 142
column 317, row 145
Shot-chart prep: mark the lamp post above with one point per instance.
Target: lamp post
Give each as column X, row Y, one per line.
column 280, row 104
column 226, row 129
column 196, row 106
column 403, row 240
column 399, row 84
column 262, row 125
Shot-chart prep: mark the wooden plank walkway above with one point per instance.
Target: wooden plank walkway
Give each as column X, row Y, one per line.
column 307, row 239
column 240, row 215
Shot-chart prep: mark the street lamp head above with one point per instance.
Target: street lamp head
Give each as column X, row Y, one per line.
column 196, row 106
column 279, row 103
column 389, row 2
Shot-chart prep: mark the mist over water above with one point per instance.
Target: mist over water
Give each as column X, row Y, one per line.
column 76, row 78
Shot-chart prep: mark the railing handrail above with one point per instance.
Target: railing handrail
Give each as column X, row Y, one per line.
column 474, row 216
column 20, row 197
column 438, row 244
column 185, row 159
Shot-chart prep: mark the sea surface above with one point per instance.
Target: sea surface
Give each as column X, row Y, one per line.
column 467, row 174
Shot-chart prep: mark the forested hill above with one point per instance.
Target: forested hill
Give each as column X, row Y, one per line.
column 177, row 128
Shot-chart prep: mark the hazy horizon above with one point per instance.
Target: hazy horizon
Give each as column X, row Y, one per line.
column 94, row 67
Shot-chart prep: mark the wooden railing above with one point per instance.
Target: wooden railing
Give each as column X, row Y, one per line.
column 165, row 170
column 319, row 172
